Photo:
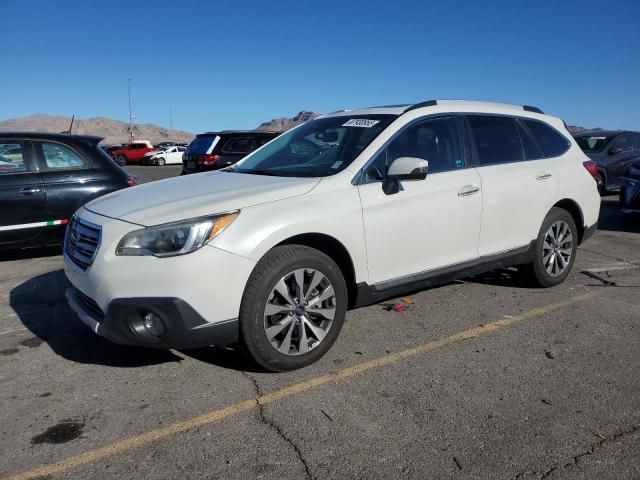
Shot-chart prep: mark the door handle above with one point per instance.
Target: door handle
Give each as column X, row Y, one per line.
column 543, row 176
column 468, row 190
column 29, row 190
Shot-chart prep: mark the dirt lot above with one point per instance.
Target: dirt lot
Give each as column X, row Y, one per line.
column 481, row 378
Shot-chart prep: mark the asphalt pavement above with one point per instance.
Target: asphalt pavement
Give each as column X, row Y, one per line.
column 481, row 378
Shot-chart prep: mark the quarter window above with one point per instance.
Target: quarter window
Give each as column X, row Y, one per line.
column 11, row 158
column 552, row 143
column 60, row 156
column 497, row 139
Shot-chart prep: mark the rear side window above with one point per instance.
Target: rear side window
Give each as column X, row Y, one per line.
column 553, row 144
column 11, row 158
column 497, row 139
column 60, row 156
column 238, row 145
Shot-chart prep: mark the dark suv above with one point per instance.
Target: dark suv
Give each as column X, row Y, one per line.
column 613, row 152
column 215, row 150
column 45, row 178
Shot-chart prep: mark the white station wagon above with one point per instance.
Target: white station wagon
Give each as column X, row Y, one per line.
column 342, row 211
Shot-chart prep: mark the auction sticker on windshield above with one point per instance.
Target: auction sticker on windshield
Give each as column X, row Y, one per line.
column 360, row 122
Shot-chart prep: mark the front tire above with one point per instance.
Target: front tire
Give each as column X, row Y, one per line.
column 554, row 250
column 122, row 160
column 293, row 308
column 160, row 162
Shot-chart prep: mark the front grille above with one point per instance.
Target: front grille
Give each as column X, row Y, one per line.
column 81, row 243
column 91, row 305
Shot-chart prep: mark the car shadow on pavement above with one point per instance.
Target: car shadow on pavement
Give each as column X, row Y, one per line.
column 41, row 305
column 613, row 220
column 27, row 253
column 503, row 277
column 230, row 358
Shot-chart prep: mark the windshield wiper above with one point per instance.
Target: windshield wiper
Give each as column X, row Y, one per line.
column 269, row 173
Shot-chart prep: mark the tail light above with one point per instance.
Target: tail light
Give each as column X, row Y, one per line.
column 132, row 181
column 591, row 167
column 208, row 159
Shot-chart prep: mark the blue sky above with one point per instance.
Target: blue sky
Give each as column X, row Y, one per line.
column 233, row 64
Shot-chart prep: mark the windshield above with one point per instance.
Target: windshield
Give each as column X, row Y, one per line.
column 593, row 143
column 318, row 148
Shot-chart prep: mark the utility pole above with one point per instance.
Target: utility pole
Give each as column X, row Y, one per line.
column 131, row 117
column 171, row 123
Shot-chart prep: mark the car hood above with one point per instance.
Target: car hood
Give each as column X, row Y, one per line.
column 196, row 195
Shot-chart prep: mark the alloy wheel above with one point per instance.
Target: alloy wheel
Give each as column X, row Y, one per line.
column 557, row 248
column 299, row 311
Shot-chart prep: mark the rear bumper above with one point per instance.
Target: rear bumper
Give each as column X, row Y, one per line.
column 183, row 326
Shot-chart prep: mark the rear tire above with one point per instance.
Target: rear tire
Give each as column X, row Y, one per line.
column 554, row 251
column 293, row 308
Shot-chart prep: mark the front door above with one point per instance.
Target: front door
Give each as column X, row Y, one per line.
column 430, row 223
column 22, row 194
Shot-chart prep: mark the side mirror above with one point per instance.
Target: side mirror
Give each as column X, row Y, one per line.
column 408, row 168
column 615, row 150
column 404, row 168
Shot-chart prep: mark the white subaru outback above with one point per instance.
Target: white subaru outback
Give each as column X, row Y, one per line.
column 343, row 211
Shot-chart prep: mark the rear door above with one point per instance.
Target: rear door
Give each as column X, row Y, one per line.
column 22, row 194
column 621, row 153
column 69, row 179
column 518, row 182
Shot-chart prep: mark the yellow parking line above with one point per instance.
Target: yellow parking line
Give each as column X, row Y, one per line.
column 217, row 415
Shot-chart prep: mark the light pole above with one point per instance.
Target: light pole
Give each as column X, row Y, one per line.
column 171, row 123
column 130, row 114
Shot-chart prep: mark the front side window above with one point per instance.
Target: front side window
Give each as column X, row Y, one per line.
column 496, row 138
column 60, row 156
column 553, row 144
column 11, row 158
column 436, row 141
column 318, row 148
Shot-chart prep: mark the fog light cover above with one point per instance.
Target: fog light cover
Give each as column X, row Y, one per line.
column 147, row 325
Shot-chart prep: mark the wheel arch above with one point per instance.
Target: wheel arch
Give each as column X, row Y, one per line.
column 575, row 211
column 333, row 248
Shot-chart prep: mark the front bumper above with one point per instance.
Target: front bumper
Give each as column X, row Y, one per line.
column 184, row 327
column 197, row 295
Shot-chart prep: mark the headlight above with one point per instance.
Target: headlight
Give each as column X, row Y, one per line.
column 634, row 171
column 176, row 238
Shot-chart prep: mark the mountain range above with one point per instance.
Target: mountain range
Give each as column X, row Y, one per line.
column 116, row 131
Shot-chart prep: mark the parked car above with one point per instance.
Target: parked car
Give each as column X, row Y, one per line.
column 44, row 178
column 167, row 156
column 164, row 145
column 342, row 211
column 613, row 152
column 110, row 149
column 133, row 152
column 215, row 150
column 630, row 189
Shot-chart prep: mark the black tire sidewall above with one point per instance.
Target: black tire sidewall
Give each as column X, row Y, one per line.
column 542, row 277
column 261, row 283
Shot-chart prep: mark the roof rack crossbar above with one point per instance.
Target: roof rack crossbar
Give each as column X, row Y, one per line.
column 529, row 108
column 428, row 103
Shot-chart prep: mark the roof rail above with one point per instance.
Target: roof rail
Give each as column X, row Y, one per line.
column 529, row 108
column 428, row 103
